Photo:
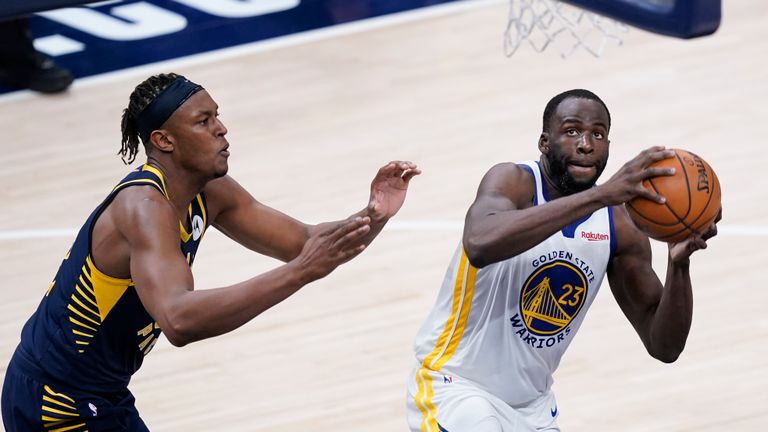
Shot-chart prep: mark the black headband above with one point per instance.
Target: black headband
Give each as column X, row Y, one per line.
column 164, row 104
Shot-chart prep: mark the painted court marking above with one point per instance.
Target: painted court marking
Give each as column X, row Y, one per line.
column 305, row 37
column 395, row 225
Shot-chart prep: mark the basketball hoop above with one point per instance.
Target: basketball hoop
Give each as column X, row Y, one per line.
column 545, row 22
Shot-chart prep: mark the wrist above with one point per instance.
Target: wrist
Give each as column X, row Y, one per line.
column 599, row 196
column 679, row 262
column 298, row 274
column 375, row 216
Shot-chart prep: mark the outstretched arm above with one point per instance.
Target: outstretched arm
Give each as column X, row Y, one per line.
column 164, row 282
column 661, row 314
column 388, row 190
column 265, row 230
column 163, row 279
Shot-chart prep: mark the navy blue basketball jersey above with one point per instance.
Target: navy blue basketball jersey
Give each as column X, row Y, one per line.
column 91, row 332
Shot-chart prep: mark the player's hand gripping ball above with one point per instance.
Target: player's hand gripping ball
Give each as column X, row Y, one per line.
column 692, row 199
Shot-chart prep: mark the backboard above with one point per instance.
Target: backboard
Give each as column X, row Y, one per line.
column 678, row 18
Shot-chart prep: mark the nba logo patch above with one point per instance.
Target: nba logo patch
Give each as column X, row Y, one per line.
column 447, row 379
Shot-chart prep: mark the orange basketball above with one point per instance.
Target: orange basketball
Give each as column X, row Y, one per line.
column 693, row 199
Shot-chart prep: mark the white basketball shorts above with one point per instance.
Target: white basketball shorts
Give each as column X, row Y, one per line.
column 445, row 403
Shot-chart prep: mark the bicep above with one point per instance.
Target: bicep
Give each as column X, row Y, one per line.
column 634, row 284
column 504, row 187
column 254, row 225
column 159, row 271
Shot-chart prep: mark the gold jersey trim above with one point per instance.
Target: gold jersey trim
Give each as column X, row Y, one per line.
column 446, row 343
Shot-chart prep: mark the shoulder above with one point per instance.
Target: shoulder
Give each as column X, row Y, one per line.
column 141, row 206
column 224, row 193
column 225, row 188
column 507, row 174
column 508, row 180
column 509, row 170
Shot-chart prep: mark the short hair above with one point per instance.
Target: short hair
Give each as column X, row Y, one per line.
column 555, row 102
column 142, row 96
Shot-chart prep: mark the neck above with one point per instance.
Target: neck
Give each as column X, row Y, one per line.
column 550, row 183
column 181, row 185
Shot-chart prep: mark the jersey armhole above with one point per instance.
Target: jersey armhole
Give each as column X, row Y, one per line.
column 535, row 185
column 103, row 206
column 611, row 233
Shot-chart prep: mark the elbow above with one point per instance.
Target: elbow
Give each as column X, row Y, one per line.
column 176, row 336
column 178, row 331
column 475, row 253
column 176, row 340
column 668, row 356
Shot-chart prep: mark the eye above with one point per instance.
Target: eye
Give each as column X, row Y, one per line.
column 599, row 135
column 203, row 121
column 571, row 132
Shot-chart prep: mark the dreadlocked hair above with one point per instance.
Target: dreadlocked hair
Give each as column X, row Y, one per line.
column 142, row 96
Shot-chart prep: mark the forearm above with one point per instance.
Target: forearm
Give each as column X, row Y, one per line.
column 671, row 321
column 376, row 225
column 201, row 314
column 494, row 237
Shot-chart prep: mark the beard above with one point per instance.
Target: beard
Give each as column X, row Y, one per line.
column 565, row 182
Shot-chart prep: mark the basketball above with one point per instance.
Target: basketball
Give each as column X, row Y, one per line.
column 693, row 199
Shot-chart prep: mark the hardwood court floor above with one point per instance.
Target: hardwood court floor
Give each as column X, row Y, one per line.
column 309, row 125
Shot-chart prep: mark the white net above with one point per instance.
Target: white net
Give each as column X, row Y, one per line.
column 551, row 22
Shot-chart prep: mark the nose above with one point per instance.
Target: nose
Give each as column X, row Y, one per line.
column 585, row 144
column 221, row 130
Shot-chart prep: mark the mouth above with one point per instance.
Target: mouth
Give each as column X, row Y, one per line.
column 582, row 169
column 225, row 151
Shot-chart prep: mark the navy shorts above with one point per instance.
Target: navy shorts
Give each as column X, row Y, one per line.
column 31, row 405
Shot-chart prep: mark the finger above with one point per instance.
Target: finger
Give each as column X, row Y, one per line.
column 710, row 232
column 348, row 254
column 411, row 173
column 399, row 166
column 344, row 227
column 654, row 149
column 351, row 237
column 690, row 245
column 645, row 193
column 391, row 167
column 697, row 244
column 658, row 171
column 656, row 153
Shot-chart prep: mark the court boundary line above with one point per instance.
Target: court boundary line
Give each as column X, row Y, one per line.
column 434, row 225
column 295, row 39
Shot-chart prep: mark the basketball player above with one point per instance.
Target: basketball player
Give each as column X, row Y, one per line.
column 127, row 277
column 537, row 241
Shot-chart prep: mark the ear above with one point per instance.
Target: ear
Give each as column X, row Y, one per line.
column 161, row 141
column 544, row 142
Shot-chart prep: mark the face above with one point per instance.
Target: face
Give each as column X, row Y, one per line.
column 575, row 149
column 198, row 136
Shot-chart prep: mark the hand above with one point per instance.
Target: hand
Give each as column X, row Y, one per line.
column 680, row 252
column 388, row 189
column 627, row 183
column 327, row 249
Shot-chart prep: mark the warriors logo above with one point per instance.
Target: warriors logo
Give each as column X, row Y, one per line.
column 552, row 296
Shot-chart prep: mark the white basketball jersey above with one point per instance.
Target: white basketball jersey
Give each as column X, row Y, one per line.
column 506, row 326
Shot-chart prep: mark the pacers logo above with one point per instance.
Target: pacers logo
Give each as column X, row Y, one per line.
column 551, row 297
